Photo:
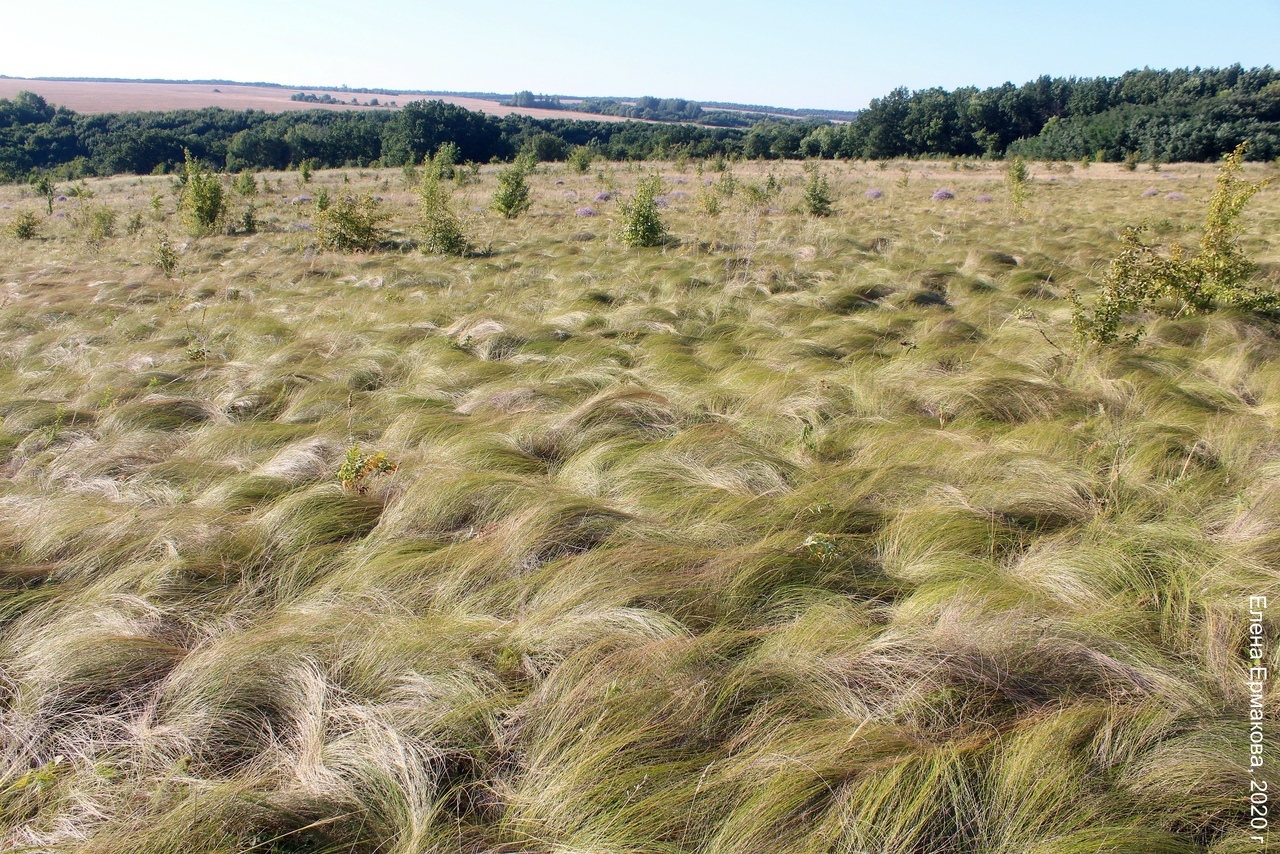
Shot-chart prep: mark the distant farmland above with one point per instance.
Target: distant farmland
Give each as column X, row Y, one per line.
column 119, row 97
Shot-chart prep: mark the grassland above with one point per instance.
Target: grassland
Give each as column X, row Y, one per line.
column 795, row 535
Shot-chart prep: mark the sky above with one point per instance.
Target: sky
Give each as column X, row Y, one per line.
column 834, row 55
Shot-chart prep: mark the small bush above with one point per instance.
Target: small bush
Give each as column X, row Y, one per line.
column 99, row 224
column 166, row 258
column 581, row 158
column 246, row 184
column 1018, row 178
column 709, row 202
column 356, row 467
column 512, row 196
column 202, row 204
column 641, row 224
column 817, row 195
column 441, row 230
column 1140, row 277
column 24, row 226
column 351, row 224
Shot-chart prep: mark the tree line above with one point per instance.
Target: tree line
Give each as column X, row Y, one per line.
column 1185, row 114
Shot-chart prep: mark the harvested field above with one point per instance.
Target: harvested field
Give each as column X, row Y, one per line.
column 117, row 97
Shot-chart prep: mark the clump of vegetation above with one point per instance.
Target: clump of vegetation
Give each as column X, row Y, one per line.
column 817, row 195
column 99, row 224
column 46, row 189
column 357, row 467
column 201, row 204
column 165, row 257
column 304, row 171
column 246, row 184
column 440, row 227
column 512, row 196
column 351, row 224
column 25, row 226
column 1018, row 177
column 641, row 223
column 1141, row 278
column 709, row 201
column 581, row 157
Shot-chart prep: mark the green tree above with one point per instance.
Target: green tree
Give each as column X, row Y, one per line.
column 817, row 195
column 202, row 204
column 641, row 223
column 512, row 196
column 441, row 230
column 46, row 188
column 351, row 224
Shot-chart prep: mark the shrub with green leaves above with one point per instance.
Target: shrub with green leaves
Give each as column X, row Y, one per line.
column 512, row 196
column 165, row 258
column 357, row 467
column 441, row 230
column 817, row 195
column 581, row 158
column 46, row 189
column 246, row 184
column 350, row 224
column 641, row 224
column 202, row 204
column 25, row 226
column 99, row 224
column 1141, row 278
column 1018, row 178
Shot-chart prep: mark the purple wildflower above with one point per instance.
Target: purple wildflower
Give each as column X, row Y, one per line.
column 660, row 201
column 604, row 197
column 301, row 199
column 302, row 226
column 985, row 197
column 60, row 199
column 585, row 212
column 873, row 193
column 941, row 195
column 1176, row 197
column 1149, row 192
column 571, row 194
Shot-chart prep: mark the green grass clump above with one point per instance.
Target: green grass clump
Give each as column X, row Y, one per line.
column 808, row 533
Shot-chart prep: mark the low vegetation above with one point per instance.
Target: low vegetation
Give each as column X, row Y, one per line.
column 801, row 533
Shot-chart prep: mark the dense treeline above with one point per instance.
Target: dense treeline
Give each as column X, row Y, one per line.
column 1186, row 114
column 35, row 136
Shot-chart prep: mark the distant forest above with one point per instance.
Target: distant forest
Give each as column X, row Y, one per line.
column 1163, row 116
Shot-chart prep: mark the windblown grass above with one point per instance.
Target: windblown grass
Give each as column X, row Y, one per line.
column 795, row 534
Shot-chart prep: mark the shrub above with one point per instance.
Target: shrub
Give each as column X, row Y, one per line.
column 709, row 202
column 246, row 184
column 350, row 224
column 99, row 224
column 875, row 193
column 1139, row 278
column 304, row 171
column 356, row 467
column 942, row 195
column 202, row 204
column 1019, row 180
column 544, row 147
column 1131, row 161
column 24, row 226
column 441, row 231
column 166, row 258
column 46, row 189
column 512, row 196
column 641, row 224
column 581, row 157
column 817, row 195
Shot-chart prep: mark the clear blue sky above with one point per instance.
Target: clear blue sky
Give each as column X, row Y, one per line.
column 816, row 54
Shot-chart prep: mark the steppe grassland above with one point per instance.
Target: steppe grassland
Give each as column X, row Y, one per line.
column 795, row 535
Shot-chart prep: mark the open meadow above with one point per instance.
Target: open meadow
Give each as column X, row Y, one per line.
column 796, row 534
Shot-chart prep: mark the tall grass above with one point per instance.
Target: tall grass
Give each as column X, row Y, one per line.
column 798, row 534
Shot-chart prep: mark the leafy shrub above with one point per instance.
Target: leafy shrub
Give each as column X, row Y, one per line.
column 581, row 157
column 817, row 195
column 24, row 226
column 641, row 224
column 1131, row 161
column 1139, row 278
column 942, row 195
column 441, row 231
column 351, row 224
column 202, row 204
column 709, row 202
column 512, row 196
column 1018, row 178
column 356, row 467
column 443, row 163
column 134, row 223
column 246, row 184
column 99, row 224
column 45, row 188
column 166, row 258
column 304, row 171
